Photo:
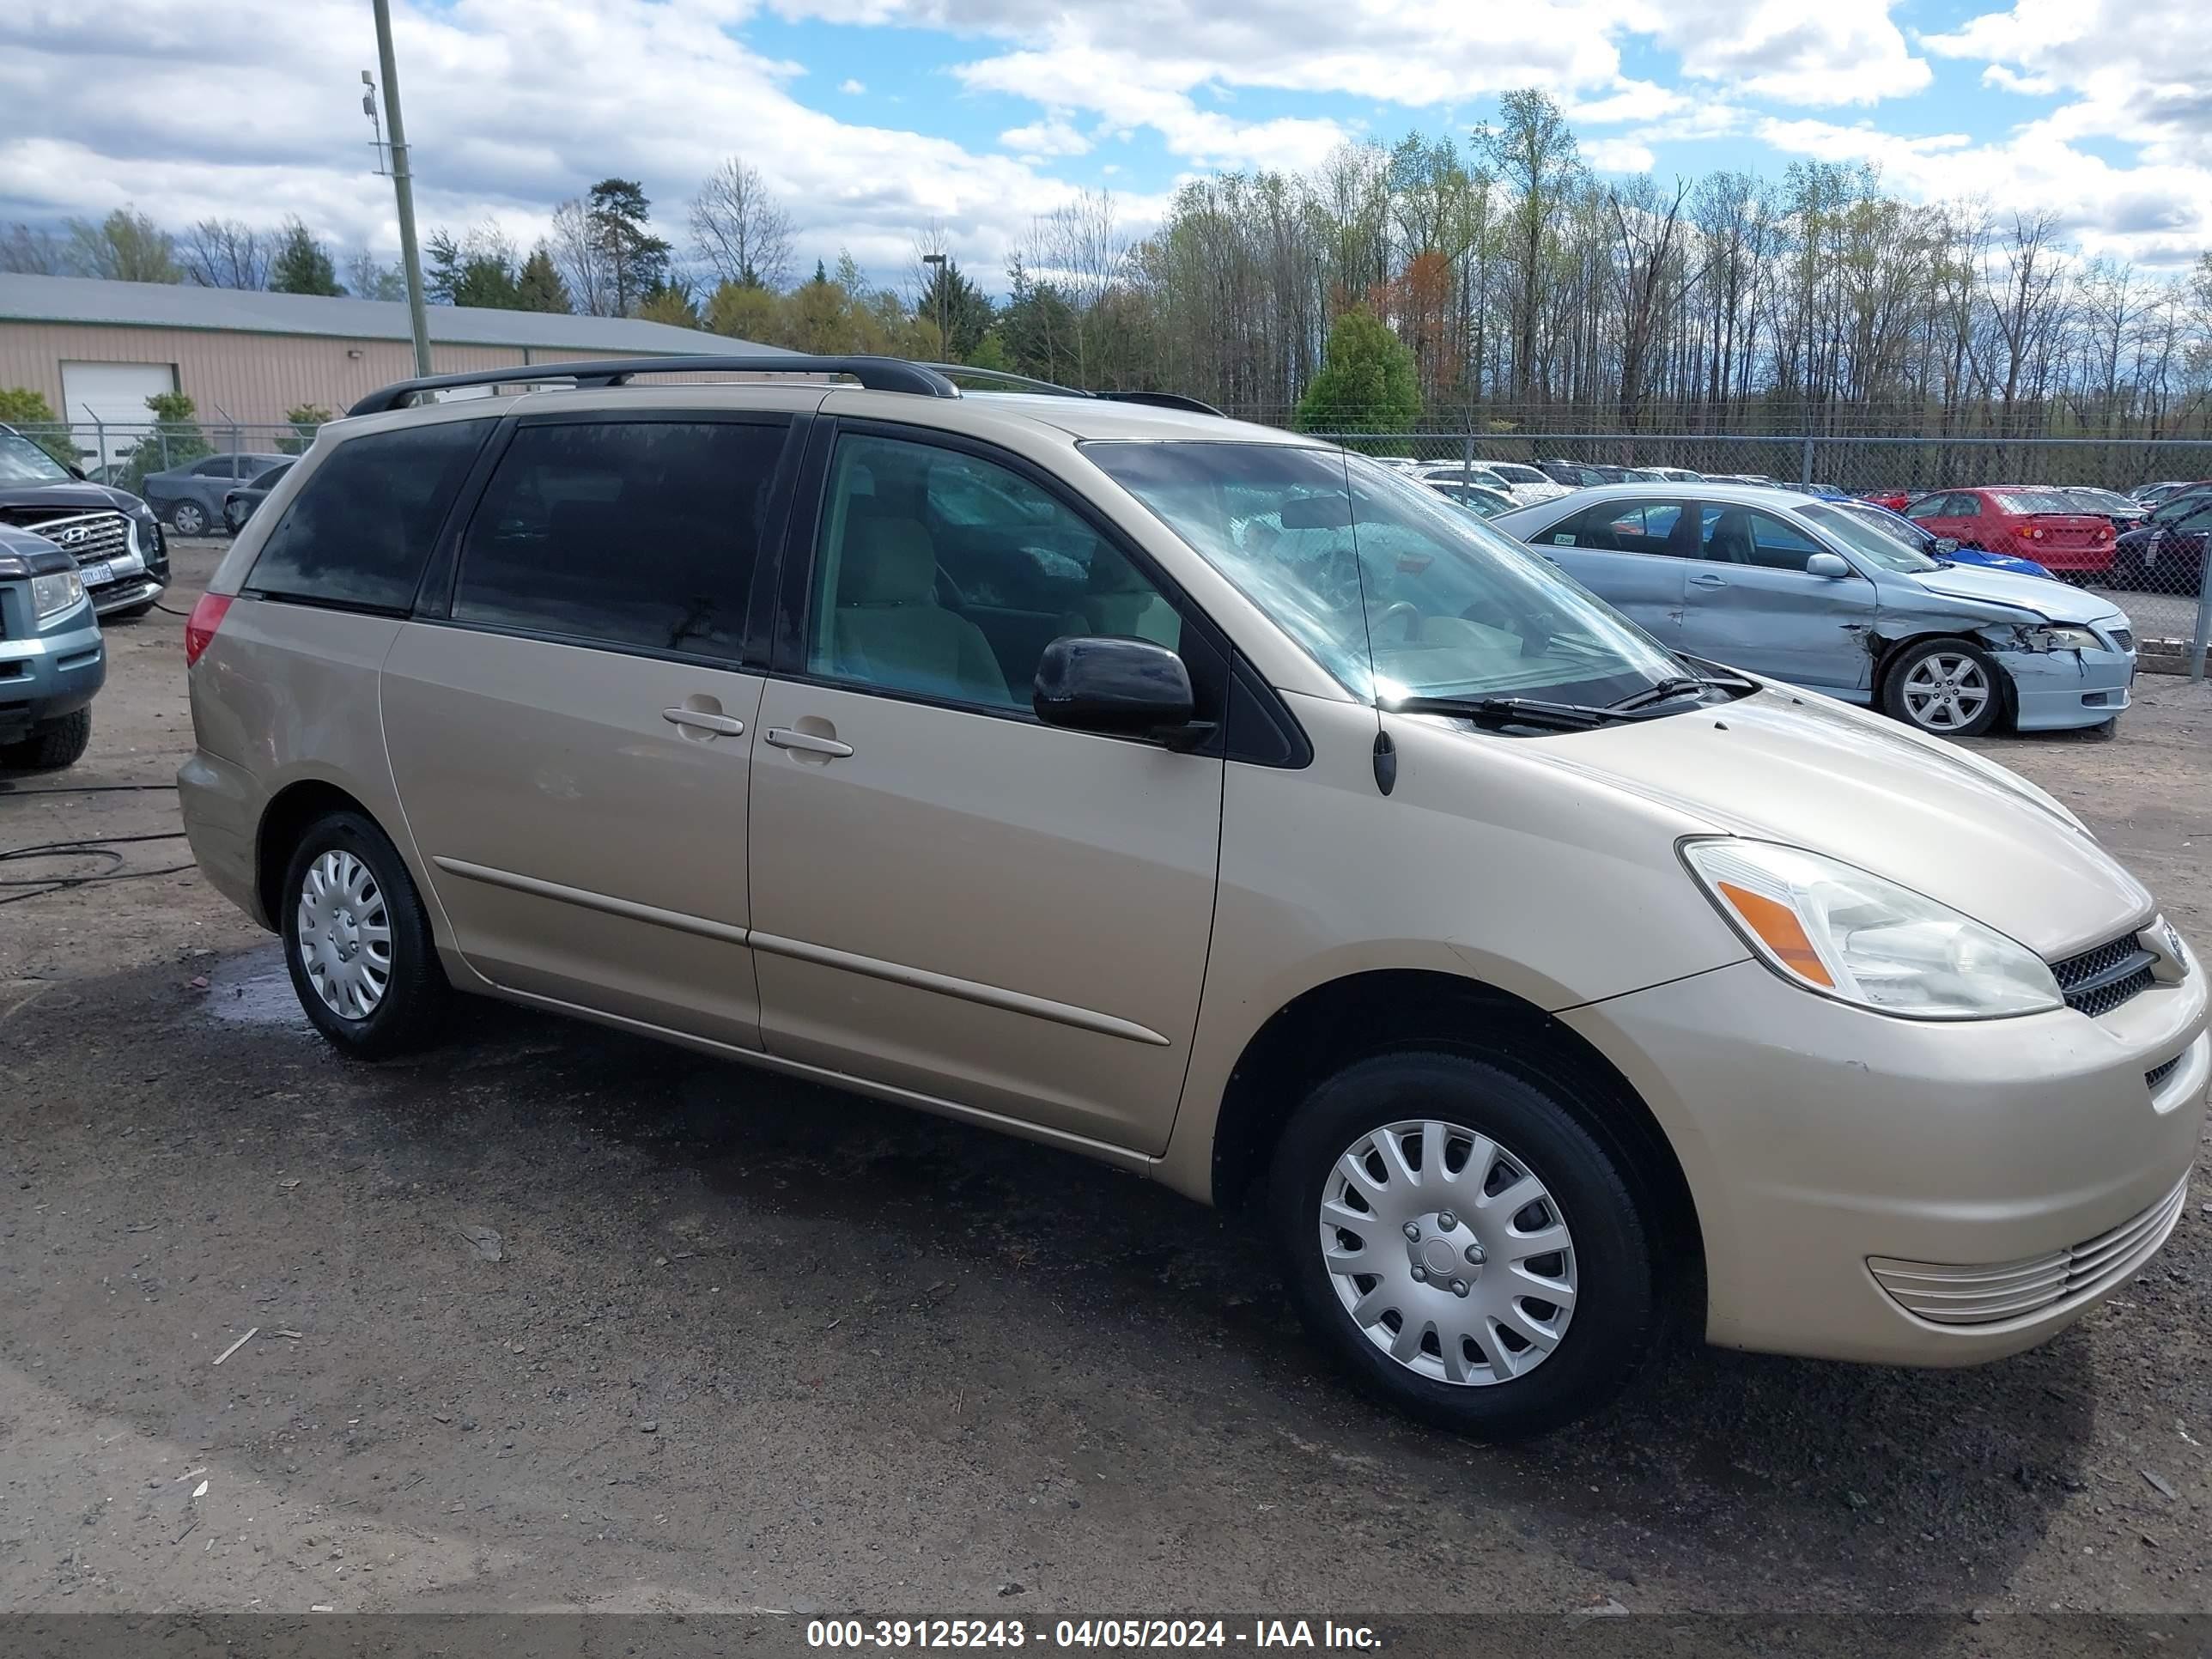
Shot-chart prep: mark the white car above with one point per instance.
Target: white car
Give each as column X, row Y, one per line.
column 1526, row 485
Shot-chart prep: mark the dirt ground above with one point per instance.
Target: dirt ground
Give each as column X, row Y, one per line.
column 558, row 1319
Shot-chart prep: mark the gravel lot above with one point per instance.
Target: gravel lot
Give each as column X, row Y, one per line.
column 740, row 1344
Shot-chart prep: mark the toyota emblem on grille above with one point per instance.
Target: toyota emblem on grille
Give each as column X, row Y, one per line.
column 74, row 534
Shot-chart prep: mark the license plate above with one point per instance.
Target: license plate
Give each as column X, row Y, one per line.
column 96, row 575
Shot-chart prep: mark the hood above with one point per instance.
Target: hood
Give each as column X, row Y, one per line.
column 1790, row 767
column 2053, row 601
column 82, row 497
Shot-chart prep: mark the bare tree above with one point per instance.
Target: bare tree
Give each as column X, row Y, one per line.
column 226, row 253
column 29, row 253
column 578, row 253
column 739, row 229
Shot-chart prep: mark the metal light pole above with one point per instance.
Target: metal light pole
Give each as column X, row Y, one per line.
column 403, row 187
column 944, row 324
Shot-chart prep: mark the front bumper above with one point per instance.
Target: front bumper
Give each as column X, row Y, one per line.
column 1820, row 1140
column 2053, row 691
column 49, row 675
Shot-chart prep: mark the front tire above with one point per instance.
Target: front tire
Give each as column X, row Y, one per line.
column 53, row 746
column 188, row 519
column 1947, row 687
column 357, row 941
column 1462, row 1246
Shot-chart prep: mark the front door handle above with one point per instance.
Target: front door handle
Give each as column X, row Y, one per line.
column 783, row 737
column 1709, row 582
column 728, row 725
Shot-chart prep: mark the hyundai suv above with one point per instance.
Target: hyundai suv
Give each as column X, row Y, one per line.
column 1204, row 800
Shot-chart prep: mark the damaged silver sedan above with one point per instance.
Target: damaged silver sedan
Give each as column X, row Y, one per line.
column 1784, row 585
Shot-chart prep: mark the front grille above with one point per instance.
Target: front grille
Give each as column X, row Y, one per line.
column 2097, row 982
column 2122, row 638
column 2158, row 1074
column 89, row 538
column 2011, row 1290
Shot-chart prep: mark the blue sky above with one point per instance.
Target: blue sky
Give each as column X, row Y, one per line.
column 878, row 122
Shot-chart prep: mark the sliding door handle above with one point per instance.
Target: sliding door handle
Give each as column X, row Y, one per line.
column 783, row 737
column 728, row 725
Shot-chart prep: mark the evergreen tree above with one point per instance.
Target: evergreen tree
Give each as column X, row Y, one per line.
column 1367, row 382
column 960, row 312
column 618, row 213
column 539, row 286
column 302, row 264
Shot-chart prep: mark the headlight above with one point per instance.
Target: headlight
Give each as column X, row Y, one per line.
column 51, row 595
column 1838, row 930
column 2060, row 639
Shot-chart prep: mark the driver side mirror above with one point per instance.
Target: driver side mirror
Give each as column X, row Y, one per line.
column 1830, row 565
column 1117, row 687
column 75, row 470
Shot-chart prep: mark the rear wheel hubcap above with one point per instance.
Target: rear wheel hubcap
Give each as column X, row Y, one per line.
column 1449, row 1252
column 344, row 934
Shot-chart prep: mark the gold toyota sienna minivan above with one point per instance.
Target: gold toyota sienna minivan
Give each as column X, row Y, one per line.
column 1202, row 799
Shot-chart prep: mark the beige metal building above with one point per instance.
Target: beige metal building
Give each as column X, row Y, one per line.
column 99, row 350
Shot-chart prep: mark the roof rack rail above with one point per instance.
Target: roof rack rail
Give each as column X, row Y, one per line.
column 1004, row 377
column 1161, row 400
column 877, row 373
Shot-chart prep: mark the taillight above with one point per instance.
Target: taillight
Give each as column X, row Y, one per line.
column 199, row 627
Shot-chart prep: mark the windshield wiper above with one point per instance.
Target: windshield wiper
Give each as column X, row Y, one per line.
column 1677, row 686
column 1512, row 711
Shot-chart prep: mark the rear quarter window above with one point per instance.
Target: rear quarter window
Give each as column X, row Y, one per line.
column 360, row 529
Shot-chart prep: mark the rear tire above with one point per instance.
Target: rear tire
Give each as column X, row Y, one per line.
column 51, row 746
column 1488, row 1338
column 1947, row 688
column 188, row 519
column 357, row 941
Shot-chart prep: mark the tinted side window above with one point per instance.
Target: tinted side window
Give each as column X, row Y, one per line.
column 360, row 531
column 1964, row 506
column 1742, row 535
column 640, row 533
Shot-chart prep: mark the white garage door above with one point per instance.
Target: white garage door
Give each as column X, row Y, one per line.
column 113, row 395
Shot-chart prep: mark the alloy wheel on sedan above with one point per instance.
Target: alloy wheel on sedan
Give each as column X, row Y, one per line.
column 1947, row 692
column 1449, row 1252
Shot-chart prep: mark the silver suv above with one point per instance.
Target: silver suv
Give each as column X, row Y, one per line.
column 1202, row 799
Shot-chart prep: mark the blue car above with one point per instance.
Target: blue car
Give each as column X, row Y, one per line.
column 51, row 661
column 1779, row 583
column 1941, row 549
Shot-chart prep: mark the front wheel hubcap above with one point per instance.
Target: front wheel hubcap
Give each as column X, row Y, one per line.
column 344, row 934
column 1448, row 1251
column 1946, row 690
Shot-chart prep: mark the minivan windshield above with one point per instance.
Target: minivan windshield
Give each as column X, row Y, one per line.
column 1393, row 589
column 22, row 461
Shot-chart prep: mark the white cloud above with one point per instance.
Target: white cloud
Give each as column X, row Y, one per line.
column 502, row 124
column 851, row 88
column 1617, row 155
column 1055, row 136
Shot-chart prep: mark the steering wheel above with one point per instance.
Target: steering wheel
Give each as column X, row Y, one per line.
column 1410, row 612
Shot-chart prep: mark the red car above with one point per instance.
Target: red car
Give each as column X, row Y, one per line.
column 1895, row 500
column 2029, row 522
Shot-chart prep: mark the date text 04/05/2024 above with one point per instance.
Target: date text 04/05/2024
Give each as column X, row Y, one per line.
column 895, row 1634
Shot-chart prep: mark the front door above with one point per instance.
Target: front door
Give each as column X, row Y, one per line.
column 572, row 744
column 949, row 896
column 1753, row 605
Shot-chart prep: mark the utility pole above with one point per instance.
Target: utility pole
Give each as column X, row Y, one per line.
column 403, row 187
column 944, row 328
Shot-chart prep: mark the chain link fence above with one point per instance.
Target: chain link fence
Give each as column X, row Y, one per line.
column 2064, row 503
column 2154, row 559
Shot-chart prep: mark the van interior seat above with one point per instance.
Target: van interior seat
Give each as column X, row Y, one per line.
column 889, row 626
